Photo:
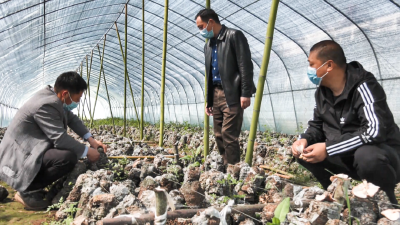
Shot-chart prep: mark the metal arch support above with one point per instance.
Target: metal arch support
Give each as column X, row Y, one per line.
column 291, row 88
column 365, row 35
column 149, row 69
column 307, row 20
column 244, row 8
column 171, row 92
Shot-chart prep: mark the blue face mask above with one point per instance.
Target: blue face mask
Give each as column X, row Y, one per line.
column 207, row 34
column 312, row 74
column 71, row 106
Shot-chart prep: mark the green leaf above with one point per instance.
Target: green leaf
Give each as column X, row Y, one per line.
column 282, row 209
column 198, row 151
column 276, row 221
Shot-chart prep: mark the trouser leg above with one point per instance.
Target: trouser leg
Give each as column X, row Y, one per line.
column 231, row 126
column 380, row 165
column 323, row 170
column 227, row 126
column 218, row 119
column 56, row 164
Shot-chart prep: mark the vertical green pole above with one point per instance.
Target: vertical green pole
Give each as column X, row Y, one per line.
column 126, row 73
column 108, row 98
column 88, row 86
column 142, row 94
column 125, row 62
column 88, row 83
column 98, row 84
column 164, row 60
column 206, row 117
column 261, row 81
column 79, row 106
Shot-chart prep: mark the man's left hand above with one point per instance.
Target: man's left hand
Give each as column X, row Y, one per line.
column 244, row 102
column 97, row 144
column 315, row 153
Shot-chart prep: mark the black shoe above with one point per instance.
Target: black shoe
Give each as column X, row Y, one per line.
column 32, row 200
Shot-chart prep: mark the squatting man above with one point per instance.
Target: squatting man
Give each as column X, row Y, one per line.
column 36, row 149
column 352, row 130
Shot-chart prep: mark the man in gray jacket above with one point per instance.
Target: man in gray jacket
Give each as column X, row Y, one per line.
column 230, row 81
column 36, row 149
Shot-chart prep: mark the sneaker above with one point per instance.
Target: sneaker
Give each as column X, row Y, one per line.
column 32, row 200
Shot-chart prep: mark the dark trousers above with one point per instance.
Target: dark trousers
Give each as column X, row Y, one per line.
column 227, row 126
column 378, row 164
column 56, row 164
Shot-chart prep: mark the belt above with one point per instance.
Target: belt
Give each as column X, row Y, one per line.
column 218, row 85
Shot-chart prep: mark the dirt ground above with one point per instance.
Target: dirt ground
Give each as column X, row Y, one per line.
column 12, row 212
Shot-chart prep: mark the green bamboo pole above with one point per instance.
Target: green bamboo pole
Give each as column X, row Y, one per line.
column 133, row 100
column 88, row 86
column 79, row 106
column 206, row 117
column 164, row 61
column 98, row 84
column 126, row 62
column 142, row 94
column 126, row 74
column 108, row 98
column 261, row 81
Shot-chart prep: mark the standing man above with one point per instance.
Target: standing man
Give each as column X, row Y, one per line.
column 352, row 130
column 36, row 149
column 230, row 81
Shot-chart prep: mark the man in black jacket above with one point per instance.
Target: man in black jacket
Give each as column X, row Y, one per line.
column 353, row 130
column 230, row 81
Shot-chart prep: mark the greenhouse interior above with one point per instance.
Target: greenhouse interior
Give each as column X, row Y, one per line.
column 159, row 158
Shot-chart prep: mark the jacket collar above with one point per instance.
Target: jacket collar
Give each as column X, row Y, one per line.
column 221, row 35
column 355, row 74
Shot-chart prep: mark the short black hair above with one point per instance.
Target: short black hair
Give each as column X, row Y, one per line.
column 206, row 15
column 330, row 50
column 70, row 81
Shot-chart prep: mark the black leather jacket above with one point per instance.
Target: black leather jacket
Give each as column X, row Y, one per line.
column 235, row 66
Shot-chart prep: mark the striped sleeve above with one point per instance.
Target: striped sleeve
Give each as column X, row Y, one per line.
column 372, row 111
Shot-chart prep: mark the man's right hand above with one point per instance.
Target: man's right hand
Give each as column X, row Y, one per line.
column 209, row 111
column 297, row 143
column 93, row 155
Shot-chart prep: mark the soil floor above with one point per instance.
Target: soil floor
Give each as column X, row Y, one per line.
column 12, row 212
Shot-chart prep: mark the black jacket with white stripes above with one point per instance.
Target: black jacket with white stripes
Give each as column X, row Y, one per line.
column 359, row 116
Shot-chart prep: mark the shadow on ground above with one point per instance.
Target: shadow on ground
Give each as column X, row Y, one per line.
column 12, row 212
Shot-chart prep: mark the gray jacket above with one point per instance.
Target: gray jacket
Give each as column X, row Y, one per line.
column 40, row 124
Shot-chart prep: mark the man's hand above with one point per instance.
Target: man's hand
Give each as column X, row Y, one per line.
column 209, row 111
column 315, row 153
column 244, row 102
column 93, row 155
column 301, row 142
column 96, row 144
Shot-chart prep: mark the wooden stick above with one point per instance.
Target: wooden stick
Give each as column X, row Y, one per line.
column 138, row 157
column 283, row 176
column 107, row 143
column 276, row 170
